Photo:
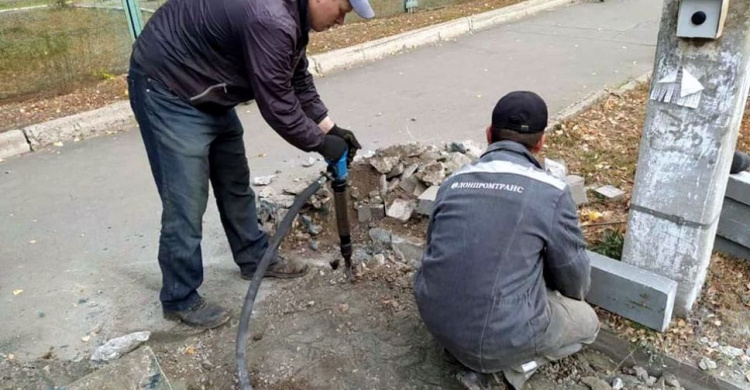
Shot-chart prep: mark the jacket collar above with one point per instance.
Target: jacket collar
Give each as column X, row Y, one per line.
column 304, row 23
column 512, row 147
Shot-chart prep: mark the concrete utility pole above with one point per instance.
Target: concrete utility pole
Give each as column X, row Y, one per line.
column 698, row 92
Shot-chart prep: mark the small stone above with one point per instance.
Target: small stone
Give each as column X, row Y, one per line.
column 408, row 251
column 610, row 192
column 393, row 184
column 426, row 201
column 364, row 213
column 377, row 211
column 651, row 381
column 313, row 229
column 360, row 256
column 431, row 174
column 314, row 245
column 595, row 383
column 400, row 209
column 707, row 364
column 409, row 171
column 383, row 164
column 731, row 351
column 397, row 170
column 641, row 374
column 263, row 180
column 383, row 186
column 343, row 307
column 455, row 162
column 376, row 261
column 381, row 237
column 309, row 162
column 670, row 380
column 41, row 314
column 617, row 384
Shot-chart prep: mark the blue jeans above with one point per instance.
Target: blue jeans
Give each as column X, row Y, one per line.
column 186, row 149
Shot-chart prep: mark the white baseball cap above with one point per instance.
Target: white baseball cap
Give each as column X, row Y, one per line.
column 362, row 8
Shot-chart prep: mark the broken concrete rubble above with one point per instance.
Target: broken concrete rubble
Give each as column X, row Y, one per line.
column 432, row 174
column 426, row 201
column 469, row 148
column 455, row 162
column 397, row 170
column 263, row 180
column 383, row 164
column 400, row 209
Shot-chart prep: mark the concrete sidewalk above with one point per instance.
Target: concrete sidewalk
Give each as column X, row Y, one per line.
column 79, row 224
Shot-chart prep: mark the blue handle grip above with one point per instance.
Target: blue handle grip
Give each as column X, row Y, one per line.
column 339, row 169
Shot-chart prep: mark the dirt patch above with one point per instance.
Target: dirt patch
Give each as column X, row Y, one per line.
column 15, row 115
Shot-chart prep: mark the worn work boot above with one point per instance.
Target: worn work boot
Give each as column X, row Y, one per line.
column 282, row 269
column 517, row 376
column 472, row 380
column 204, row 315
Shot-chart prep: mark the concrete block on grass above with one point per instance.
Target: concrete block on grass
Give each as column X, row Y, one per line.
column 13, row 143
column 731, row 248
column 426, row 201
column 734, row 223
column 577, row 189
column 610, row 193
column 738, row 188
column 632, row 292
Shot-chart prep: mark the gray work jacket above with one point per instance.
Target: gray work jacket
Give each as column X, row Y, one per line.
column 500, row 227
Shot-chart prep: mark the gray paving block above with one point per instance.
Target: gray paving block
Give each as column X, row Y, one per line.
column 731, row 248
column 137, row 370
column 577, row 189
column 364, row 213
column 426, row 201
column 738, row 187
column 734, row 223
column 13, row 143
column 632, row 292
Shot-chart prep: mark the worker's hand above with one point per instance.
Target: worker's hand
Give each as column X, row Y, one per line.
column 351, row 141
column 332, row 147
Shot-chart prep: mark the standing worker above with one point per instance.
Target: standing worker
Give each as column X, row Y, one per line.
column 193, row 63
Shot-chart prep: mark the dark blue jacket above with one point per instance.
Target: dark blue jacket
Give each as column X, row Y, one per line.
column 218, row 53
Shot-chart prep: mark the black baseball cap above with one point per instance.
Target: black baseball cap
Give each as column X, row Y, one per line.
column 521, row 111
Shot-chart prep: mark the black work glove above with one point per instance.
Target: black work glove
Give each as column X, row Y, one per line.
column 332, row 147
column 351, row 141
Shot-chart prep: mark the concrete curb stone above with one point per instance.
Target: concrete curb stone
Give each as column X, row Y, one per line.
column 13, row 143
column 101, row 121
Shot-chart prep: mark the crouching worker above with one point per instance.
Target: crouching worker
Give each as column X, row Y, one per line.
column 502, row 227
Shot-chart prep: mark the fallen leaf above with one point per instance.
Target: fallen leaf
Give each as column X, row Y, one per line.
column 190, row 350
column 17, row 292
